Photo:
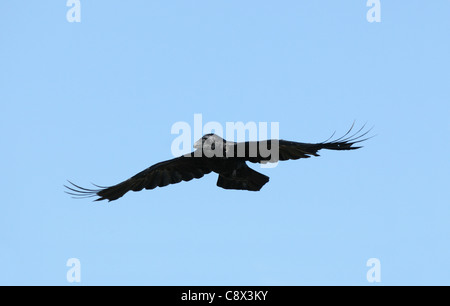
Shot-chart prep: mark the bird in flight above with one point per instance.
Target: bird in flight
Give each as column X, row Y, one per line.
column 228, row 159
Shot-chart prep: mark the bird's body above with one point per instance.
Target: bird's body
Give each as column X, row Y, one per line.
column 227, row 159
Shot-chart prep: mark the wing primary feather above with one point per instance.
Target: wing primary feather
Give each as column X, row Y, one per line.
column 79, row 192
column 332, row 135
column 348, row 132
column 351, row 137
column 81, row 188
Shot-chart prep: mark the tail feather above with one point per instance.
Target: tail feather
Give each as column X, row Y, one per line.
column 252, row 181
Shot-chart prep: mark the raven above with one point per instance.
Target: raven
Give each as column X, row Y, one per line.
column 228, row 159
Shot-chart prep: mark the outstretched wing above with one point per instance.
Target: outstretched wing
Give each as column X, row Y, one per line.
column 159, row 175
column 264, row 151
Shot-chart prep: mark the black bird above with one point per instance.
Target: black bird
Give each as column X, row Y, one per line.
column 228, row 159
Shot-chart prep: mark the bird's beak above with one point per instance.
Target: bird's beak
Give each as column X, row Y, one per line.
column 198, row 144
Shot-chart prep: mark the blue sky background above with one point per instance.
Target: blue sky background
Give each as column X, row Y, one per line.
column 95, row 102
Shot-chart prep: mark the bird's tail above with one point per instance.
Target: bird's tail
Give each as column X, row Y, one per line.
column 252, row 181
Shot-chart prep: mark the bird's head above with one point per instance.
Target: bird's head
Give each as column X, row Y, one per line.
column 210, row 142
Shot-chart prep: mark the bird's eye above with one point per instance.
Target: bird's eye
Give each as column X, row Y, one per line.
column 213, row 146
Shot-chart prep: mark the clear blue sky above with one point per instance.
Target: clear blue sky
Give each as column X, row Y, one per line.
column 95, row 101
